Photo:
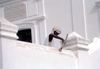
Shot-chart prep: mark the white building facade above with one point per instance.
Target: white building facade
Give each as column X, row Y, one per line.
column 37, row 18
column 41, row 16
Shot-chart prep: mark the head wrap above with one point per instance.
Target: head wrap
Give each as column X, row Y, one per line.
column 57, row 29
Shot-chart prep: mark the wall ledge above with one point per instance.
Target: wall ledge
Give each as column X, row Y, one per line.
column 43, row 48
column 8, row 30
column 76, row 42
column 29, row 19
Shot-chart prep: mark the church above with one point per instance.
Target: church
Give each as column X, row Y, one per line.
column 26, row 24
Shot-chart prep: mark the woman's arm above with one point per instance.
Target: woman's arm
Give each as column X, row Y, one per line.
column 55, row 36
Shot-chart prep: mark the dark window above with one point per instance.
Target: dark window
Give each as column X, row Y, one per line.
column 25, row 35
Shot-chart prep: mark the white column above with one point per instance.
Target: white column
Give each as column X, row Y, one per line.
column 76, row 43
column 98, row 5
column 85, row 23
column 0, row 55
column 7, row 37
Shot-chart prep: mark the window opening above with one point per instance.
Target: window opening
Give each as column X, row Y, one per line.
column 25, row 35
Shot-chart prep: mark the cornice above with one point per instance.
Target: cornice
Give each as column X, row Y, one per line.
column 76, row 42
column 34, row 18
column 8, row 30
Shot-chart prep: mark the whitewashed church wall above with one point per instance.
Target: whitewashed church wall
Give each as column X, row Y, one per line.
column 58, row 13
column 40, row 7
column 0, row 54
column 34, row 20
column 1, row 12
column 80, row 16
column 9, row 54
column 92, row 19
column 43, row 34
column 87, row 61
column 32, row 8
column 22, row 55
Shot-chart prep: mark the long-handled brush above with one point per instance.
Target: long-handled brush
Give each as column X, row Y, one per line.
column 60, row 49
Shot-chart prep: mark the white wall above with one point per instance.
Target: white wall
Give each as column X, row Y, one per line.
column 0, row 55
column 35, row 20
column 92, row 19
column 87, row 61
column 21, row 55
column 58, row 14
column 80, row 16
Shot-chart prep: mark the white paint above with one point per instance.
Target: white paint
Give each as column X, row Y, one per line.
column 6, row 2
column 89, row 61
column 7, row 29
column 74, row 34
column 85, row 23
column 99, row 20
column 98, row 3
column 94, row 46
column 33, row 10
column 36, row 40
column 71, row 15
column 92, row 19
column 76, row 42
column 1, row 55
column 33, row 33
column 67, row 16
column 45, row 24
column 23, row 55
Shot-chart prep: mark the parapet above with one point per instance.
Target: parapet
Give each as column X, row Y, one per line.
column 76, row 42
column 8, row 30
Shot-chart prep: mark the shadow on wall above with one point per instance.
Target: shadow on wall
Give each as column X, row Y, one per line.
column 94, row 10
